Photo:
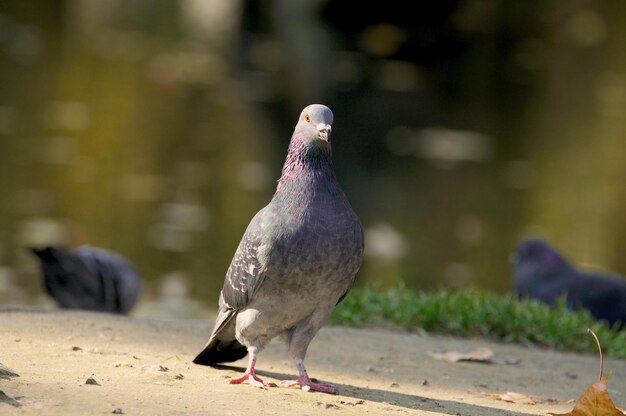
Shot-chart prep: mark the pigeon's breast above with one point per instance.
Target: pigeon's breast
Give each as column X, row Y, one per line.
column 324, row 250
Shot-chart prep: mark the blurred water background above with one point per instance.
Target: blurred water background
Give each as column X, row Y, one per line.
column 158, row 128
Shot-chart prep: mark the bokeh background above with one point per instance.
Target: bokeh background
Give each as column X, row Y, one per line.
column 158, row 128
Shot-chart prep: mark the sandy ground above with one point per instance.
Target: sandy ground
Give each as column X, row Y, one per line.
column 143, row 367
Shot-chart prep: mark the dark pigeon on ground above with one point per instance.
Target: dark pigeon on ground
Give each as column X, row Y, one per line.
column 89, row 278
column 545, row 275
column 297, row 259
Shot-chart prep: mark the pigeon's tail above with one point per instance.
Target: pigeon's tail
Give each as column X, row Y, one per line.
column 220, row 351
column 222, row 347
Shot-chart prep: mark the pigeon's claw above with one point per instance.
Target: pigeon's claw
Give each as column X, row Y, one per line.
column 249, row 374
column 252, row 379
column 305, row 383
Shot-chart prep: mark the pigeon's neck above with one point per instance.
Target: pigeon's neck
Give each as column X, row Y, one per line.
column 306, row 166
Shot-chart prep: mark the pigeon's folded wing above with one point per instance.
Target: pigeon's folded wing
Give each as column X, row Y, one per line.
column 247, row 269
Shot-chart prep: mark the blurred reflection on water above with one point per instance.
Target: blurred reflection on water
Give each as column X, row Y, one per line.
column 157, row 129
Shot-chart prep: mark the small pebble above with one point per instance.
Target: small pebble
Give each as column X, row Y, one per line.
column 117, row 411
column 425, row 382
column 92, row 381
column 394, row 385
column 76, row 348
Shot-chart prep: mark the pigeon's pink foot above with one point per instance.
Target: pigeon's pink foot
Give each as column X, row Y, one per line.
column 252, row 378
column 306, row 384
column 249, row 375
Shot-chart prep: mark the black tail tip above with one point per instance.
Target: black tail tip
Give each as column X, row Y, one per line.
column 213, row 356
column 204, row 361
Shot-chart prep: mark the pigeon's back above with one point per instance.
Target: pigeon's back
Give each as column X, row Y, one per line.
column 119, row 281
column 89, row 278
column 602, row 294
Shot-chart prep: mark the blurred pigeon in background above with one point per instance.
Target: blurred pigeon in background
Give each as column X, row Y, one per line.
column 89, row 278
column 297, row 259
column 543, row 274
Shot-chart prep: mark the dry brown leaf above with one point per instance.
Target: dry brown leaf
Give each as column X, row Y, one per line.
column 513, row 397
column 595, row 401
column 481, row 355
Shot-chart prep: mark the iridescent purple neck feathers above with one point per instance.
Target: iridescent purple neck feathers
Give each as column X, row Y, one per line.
column 306, row 161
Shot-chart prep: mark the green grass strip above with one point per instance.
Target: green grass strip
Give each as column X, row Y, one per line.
column 478, row 313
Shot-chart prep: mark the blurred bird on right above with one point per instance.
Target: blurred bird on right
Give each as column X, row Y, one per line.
column 543, row 274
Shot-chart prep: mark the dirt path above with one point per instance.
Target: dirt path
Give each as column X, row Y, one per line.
column 143, row 367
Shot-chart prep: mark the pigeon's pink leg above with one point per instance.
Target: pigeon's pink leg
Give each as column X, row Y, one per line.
column 249, row 373
column 306, row 384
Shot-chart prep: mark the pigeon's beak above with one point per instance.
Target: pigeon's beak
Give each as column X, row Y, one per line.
column 324, row 130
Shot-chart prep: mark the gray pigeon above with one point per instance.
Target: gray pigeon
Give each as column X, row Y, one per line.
column 543, row 274
column 89, row 278
column 297, row 259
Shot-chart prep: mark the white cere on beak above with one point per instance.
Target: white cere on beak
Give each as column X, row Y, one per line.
column 324, row 130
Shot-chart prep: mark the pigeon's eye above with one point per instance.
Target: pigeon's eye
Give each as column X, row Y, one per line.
column 307, row 118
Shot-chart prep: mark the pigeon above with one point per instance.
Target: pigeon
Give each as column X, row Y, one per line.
column 297, row 259
column 89, row 278
column 545, row 275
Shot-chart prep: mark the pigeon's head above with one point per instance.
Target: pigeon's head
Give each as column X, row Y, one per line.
column 315, row 125
column 536, row 259
column 47, row 253
column 538, row 251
